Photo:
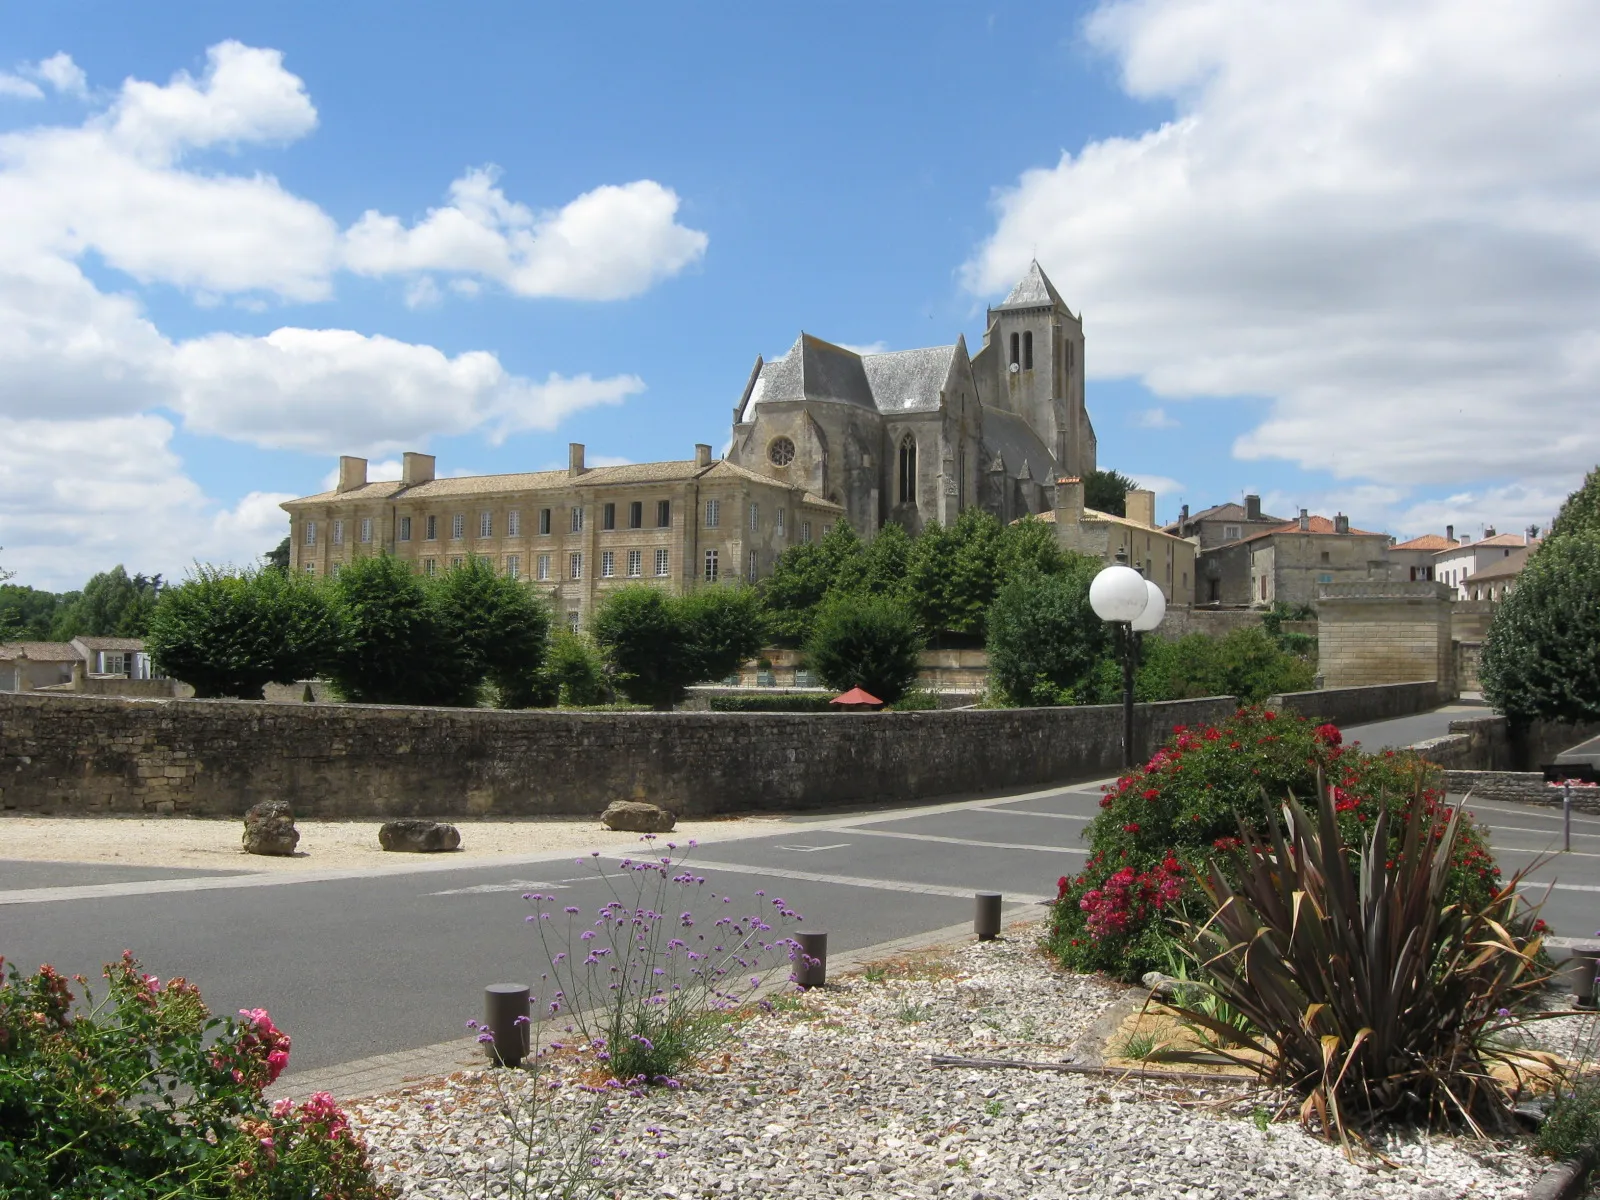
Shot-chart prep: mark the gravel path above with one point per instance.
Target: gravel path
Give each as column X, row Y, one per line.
column 832, row 1094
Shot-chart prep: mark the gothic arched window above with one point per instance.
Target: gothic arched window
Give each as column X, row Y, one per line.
column 1016, row 355
column 1027, row 351
column 908, row 470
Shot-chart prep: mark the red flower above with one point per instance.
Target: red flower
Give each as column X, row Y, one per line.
column 1269, row 715
column 1131, row 827
column 1152, row 793
column 1328, row 735
column 1105, row 801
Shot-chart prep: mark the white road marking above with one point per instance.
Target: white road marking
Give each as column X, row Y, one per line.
column 814, row 849
column 955, row 841
column 883, row 885
column 510, row 885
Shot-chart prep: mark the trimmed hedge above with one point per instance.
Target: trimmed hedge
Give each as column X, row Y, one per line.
column 783, row 702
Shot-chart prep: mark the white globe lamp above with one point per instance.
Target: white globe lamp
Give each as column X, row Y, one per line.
column 1154, row 609
column 1118, row 593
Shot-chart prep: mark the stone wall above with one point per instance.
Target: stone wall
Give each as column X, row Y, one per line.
column 1488, row 744
column 1213, row 622
column 1359, row 705
column 1384, row 633
column 83, row 754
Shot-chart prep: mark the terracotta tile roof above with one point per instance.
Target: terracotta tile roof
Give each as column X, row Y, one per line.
column 1090, row 514
column 1317, row 525
column 1428, row 541
column 109, row 643
column 1505, row 568
column 1499, row 539
column 1225, row 512
column 40, row 651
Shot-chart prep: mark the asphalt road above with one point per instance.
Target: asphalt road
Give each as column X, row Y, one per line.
column 372, row 962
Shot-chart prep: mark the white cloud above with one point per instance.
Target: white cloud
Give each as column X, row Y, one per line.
column 88, row 475
column 382, row 471
column 19, row 88
column 608, row 244
column 1162, row 485
column 1155, row 418
column 607, row 460
column 61, row 73
column 865, row 348
column 1384, row 217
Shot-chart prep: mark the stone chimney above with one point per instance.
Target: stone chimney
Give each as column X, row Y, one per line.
column 575, row 465
column 1183, row 514
column 416, row 468
column 1252, row 508
column 1069, row 502
column 1449, row 533
column 702, row 455
column 1305, row 521
column 352, row 473
column 1488, row 531
column 1141, row 507
column 1341, row 523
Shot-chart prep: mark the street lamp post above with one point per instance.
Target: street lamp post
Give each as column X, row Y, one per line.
column 1127, row 600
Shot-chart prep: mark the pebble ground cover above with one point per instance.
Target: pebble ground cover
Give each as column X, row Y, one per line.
column 831, row 1093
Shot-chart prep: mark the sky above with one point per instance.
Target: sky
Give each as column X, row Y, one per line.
column 1344, row 254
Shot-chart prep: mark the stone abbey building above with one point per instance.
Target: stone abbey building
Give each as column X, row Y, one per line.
column 821, row 434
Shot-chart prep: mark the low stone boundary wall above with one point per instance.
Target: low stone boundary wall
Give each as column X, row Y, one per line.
column 1521, row 787
column 83, row 754
column 1360, row 705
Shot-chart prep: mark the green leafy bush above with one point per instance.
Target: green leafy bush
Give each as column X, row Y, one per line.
column 1045, row 643
column 395, row 643
column 1541, row 658
column 573, row 674
column 496, row 627
column 1160, row 824
column 656, row 645
column 777, row 703
column 1371, row 985
column 229, row 633
column 866, row 642
column 1246, row 663
column 145, row 1096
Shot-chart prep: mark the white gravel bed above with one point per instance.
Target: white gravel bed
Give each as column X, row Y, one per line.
column 832, row 1094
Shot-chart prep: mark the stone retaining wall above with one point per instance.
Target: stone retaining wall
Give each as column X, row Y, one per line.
column 1359, row 705
column 82, row 754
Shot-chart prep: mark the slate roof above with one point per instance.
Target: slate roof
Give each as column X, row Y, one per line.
column 1225, row 512
column 1011, row 439
column 908, row 380
column 40, row 652
column 1033, row 290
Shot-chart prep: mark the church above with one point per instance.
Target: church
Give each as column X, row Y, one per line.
column 914, row 436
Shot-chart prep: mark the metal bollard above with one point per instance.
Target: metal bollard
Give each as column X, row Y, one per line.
column 986, row 918
column 1580, row 972
column 811, row 964
column 503, row 1003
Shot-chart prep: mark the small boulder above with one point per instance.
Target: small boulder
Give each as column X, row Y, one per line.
column 636, row 816
column 413, row 836
column 269, row 828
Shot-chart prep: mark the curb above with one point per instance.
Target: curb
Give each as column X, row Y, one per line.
column 1566, row 1180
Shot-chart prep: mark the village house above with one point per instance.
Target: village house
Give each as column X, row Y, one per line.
column 1289, row 564
column 1224, row 523
column 1454, row 565
column 1167, row 560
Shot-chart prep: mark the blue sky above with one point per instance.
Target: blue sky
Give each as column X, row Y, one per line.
column 1339, row 302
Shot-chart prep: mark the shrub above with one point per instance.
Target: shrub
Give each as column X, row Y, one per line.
column 1160, row 824
column 777, row 703
column 228, row 633
column 866, row 642
column 573, row 675
column 647, row 984
column 145, row 1095
column 1246, row 663
column 1045, row 642
column 1541, row 658
column 1369, row 987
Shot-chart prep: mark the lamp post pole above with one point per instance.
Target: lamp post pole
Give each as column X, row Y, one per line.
column 1124, row 598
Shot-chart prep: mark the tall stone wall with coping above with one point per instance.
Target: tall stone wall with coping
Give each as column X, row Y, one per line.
column 82, row 754
column 1381, row 633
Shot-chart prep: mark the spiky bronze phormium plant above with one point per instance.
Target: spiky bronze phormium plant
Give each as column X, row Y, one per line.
column 1370, row 995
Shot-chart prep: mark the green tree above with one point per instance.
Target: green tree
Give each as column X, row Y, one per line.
column 228, row 633
column 573, row 672
column 395, row 644
column 1581, row 511
column 1541, row 657
column 498, row 629
column 869, row 642
column 844, row 558
column 930, row 579
column 1028, row 546
column 1247, row 663
column 722, row 627
column 791, row 594
column 278, row 557
column 883, row 564
column 975, row 571
column 1107, row 492
column 658, row 645
column 1045, row 642
column 112, row 604
column 27, row 613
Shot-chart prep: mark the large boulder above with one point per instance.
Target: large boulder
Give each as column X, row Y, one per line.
column 412, row 836
column 269, row 828
column 636, row 816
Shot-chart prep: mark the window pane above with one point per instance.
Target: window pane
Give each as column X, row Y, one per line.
column 544, row 521
column 608, row 517
column 458, row 525
column 608, row 562
column 575, row 562
column 405, row 529
column 662, row 562
column 485, row 524
column 577, row 519
column 711, row 566
column 713, row 514
column 663, row 514
column 635, row 562
column 514, row 523
column 636, row 515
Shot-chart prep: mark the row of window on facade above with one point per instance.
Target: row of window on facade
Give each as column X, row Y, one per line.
column 608, row 521
column 543, row 569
